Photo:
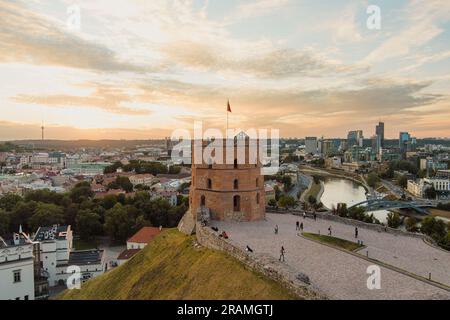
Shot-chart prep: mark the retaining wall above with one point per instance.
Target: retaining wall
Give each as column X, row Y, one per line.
column 265, row 264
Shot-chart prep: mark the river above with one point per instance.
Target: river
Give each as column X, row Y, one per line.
column 338, row 190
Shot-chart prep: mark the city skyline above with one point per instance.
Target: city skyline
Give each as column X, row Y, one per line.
column 139, row 70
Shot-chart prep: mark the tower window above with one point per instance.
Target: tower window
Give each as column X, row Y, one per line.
column 209, row 184
column 257, row 182
column 257, row 198
column 235, row 163
column 236, row 184
column 237, row 203
column 203, row 201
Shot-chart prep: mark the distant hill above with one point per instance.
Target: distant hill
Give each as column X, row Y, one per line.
column 171, row 267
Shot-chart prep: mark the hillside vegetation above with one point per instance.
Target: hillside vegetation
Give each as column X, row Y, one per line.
column 171, row 267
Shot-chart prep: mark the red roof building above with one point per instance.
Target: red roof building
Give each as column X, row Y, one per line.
column 143, row 237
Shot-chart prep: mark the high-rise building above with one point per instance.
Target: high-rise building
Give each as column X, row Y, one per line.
column 379, row 131
column 311, row 145
column 355, row 138
column 403, row 141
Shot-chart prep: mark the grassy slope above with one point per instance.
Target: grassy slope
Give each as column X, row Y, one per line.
column 172, row 268
column 341, row 243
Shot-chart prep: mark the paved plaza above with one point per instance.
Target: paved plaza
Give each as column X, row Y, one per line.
column 341, row 275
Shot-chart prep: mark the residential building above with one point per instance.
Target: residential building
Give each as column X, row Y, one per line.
column 311, row 145
column 138, row 242
column 57, row 254
column 143, row 237
column 142, row 179
column 55, row 247
column 16, row 269
column 416, row 188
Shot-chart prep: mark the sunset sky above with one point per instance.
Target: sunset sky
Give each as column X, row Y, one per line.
column 138, row 69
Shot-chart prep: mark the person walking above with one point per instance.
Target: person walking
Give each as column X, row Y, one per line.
column 297, row 226
column 282, row 253
column 304, row 215
column 276, row 229
column 329, row 231
column 301, row 227
column 356, row 232
column 315, row 216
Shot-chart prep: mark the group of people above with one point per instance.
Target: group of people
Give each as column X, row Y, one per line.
column 299, row 226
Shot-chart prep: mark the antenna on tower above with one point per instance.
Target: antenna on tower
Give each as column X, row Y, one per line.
column 42, row 129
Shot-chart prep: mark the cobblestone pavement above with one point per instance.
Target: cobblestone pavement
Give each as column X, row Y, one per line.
column 339, row 274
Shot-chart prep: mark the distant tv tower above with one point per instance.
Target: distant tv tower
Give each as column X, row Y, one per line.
column 42, row 129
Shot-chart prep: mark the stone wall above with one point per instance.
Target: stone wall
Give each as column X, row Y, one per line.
column 265, row 264
column 356, row 223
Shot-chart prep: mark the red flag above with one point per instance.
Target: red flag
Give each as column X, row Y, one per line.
column 228, row 106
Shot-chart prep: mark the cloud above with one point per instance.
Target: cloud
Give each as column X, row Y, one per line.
column 257, row 8
column 32, row 38
column 422, row 25
column 109, row 98
column 268, row 63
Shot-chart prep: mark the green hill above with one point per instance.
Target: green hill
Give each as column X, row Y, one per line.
column 171, row 267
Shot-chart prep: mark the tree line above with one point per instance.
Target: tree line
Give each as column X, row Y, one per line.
column 116, row 216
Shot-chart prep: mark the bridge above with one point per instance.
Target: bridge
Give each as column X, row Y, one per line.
column 380, row 204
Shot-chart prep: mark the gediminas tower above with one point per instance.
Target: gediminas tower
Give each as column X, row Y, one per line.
column 230, row 191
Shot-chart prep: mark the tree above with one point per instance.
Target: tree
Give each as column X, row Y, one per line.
column 88, row 224
column 393, row 220
column 9, row 201
column 277, row 191
column 411, row 223
column 121, row 182
column 430, row 193
column 118, row 224
column 113, row 168
column 402, row 181
column 4, row 223
column 286, row 201
column 312, row 200
column 21, row 215
column 372, row 179
column 272, row 202
column 81, row 192
column 46, row 215
column 70, row 214
column 287, row 182
column 433, row 227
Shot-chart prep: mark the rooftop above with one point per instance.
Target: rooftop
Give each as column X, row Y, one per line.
column 85, row 257
column 55, row 232
column 145, row 235
column 127, row 254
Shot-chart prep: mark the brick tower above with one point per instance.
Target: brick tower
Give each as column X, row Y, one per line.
column 230, row 191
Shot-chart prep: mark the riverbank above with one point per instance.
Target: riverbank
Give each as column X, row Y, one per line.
column 340, row 175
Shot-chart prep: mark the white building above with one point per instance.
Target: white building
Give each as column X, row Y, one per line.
column 56, row 245
column 143, row 237
column 142, row 179
column 57, row 255
column 16, row 269
column 439, row 184
column 138, row 242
